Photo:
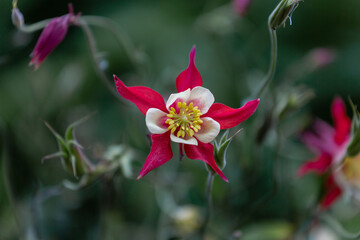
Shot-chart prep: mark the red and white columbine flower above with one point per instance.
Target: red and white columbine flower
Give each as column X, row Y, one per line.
column 53, row 34
column 330, row 145
column 189, row 117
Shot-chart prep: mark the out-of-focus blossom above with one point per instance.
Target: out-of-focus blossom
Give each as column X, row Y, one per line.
column 241, row 6
column 187, row 219
column 189, row 117
column 348, row 176
column 53, row 34
column 330, row 145
column 322, row 232
column 321, row 57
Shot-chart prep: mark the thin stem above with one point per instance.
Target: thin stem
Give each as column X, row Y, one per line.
column 272, row 66
column 120, row 36
column 92, row 44
column 208, row 197
column 8, row 189
column 35, row 26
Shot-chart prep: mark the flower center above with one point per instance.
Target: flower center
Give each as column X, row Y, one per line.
column 186, row 121
column 351, row 170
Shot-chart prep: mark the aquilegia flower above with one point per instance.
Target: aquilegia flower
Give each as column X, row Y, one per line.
column 330, row 144
column 53, row 34
column 189, row 117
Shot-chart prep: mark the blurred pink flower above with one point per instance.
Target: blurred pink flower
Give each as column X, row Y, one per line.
column 330, row 145
column 189, row 117
column 51, row 36
column 241, row 6
column 321, row 57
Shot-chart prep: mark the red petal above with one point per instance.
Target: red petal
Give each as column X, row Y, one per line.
column 143, row 97
column 204, row 152
column 190, row 77
column 230, row 117
column 341, row 121
column 333, row 191
column 159, row 154
column 320, row 165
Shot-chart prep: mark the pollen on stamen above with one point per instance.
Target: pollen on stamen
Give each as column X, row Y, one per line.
column 187, row 120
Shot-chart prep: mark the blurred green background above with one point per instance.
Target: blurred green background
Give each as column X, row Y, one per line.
column 232, row 57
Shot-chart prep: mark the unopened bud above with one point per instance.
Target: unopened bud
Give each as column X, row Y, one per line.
column 353, row 148
column 17, row 17
column 281, row 13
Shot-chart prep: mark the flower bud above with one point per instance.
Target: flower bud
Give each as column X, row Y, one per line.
column 70, row 152
column 281, row 13
column 52, row 35
column 354, row 145
column 221, row 149
column 17, row 17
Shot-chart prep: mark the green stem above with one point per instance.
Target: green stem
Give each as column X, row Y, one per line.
column 338, row 228
column 208, row 191
column 8, row 188
column 120, row 36
column 92, row 44
column 272, row 66
column 35, row 26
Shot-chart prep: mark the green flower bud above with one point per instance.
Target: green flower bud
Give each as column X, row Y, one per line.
column 281, row 13
column 70, row 152
column 221, row 149
column 354, row 145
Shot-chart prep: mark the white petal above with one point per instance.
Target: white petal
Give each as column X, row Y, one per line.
column 201, row 97
column 186, row 140
column 155, row 121
column 209, row 130
column 181, row 95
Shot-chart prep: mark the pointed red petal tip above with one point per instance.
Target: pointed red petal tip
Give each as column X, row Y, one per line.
column 192, row 55
column 190, row 77
column 143, row 97
column 160, row 153
column 229, row 117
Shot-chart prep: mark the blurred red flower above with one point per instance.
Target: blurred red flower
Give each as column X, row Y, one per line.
column 330, row 144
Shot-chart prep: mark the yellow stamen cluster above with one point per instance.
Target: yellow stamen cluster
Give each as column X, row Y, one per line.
column 351, row 170
column 187, row 120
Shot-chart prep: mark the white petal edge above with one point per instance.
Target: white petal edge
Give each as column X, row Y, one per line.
column 201, row 97
column 189, row 140
column 154, row 121
column 173, row 97
column 209, row 130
